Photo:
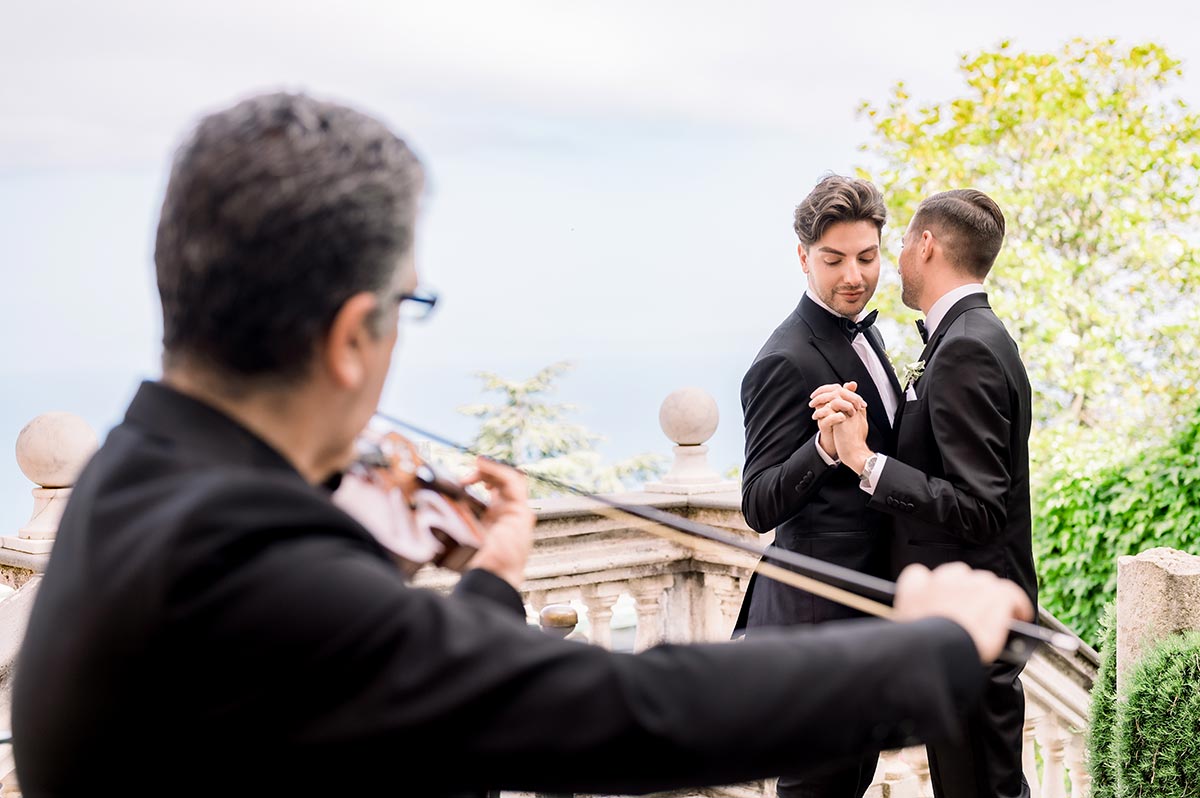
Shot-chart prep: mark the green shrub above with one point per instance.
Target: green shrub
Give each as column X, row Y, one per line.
column 1102, row 718
column 1087, row 516
column 1158, row 723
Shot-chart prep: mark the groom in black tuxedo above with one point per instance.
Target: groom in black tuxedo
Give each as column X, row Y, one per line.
column 957, row 488
column 792, row 482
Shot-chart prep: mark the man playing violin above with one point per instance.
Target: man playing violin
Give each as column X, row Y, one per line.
column 211, row 621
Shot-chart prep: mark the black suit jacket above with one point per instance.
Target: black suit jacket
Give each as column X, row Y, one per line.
column 210, row 621
column 814, row 509
column 958, row 487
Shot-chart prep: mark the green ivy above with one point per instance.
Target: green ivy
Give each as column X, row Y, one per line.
column 1085, row 517
column 1158, row 723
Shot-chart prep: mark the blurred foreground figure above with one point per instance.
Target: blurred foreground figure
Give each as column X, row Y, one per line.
column 211, row 622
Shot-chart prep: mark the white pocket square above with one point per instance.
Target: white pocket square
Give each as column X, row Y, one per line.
column 911, row 394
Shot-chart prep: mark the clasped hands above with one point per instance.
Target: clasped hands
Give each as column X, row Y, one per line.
column 841, row 416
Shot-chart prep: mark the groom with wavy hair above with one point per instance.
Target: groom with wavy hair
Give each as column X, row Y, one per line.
column 793, row 483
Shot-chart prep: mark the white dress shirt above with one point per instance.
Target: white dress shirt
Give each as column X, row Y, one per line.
column 936, row 315
column 874, row 367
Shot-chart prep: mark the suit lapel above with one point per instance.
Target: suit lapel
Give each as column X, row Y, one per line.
column 960, row 307
column 828, row 339
column 875, row 338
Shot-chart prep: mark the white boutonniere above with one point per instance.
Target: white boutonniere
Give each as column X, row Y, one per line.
column 912, row 372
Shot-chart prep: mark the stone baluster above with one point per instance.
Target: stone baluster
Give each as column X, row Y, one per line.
column 599, row 600
column 649, row 596
column 896, row 777
column 1077, row 772
column 51, row 450
column 727, row 592
column 1033, row 716
column 1052, row 739
column 689, row 418
column 537, row 601
column 917, row 758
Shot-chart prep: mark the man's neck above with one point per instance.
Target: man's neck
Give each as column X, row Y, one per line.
column 946, row 299
column 282, row 418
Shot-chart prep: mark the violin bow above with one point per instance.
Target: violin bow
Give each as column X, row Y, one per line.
column 867, row 594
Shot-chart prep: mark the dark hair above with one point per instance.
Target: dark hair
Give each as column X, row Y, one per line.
column 969, row 225
column 277, row 211
column 838, row 199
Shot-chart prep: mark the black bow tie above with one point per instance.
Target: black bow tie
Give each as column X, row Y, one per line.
column 853, row 328
column 921, row 329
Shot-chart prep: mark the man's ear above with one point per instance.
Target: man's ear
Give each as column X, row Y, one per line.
column 928, row 242
column 803, row 257
column 344, row 355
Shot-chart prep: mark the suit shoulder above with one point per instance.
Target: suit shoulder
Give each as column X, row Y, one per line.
column 773, row 367
column 984, row 326
column 969, row 345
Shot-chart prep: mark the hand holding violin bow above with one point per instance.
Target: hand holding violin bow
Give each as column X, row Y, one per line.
column 507, row 522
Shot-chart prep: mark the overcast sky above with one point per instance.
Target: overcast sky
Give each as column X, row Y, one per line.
column 611, row 183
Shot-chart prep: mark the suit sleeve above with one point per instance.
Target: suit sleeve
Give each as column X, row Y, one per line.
column 481, row 584
column 366, row 664
column 970, row 412
column 783, row 470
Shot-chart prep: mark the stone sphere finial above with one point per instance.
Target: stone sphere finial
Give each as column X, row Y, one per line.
column 54, row 448
column 689, row 416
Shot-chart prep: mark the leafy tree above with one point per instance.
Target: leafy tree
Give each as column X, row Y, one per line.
column 1095, row 163
column 525, row 428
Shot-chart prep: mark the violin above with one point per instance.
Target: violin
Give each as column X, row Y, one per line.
column 420, row 514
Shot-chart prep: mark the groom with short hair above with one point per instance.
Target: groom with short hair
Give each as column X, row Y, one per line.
column 957, row 488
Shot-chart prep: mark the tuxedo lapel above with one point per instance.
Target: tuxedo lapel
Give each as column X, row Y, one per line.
column 828, row 339
column 960, row 307
column 875, row 339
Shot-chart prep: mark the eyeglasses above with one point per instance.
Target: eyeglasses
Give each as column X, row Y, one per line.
column 416, row 307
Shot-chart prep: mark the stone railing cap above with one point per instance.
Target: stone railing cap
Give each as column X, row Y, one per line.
column 1173, row 561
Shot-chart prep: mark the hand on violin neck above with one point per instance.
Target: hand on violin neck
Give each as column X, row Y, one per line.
column 507, row 524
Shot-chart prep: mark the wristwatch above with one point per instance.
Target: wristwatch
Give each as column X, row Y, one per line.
column 865, row 477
